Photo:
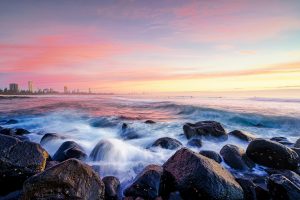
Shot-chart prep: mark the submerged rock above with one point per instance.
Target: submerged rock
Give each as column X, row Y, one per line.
column 147, row 184
column 12, row 121
column 167, row 143
column 198, row 177
column 204, row 128
column 18, row 161
column 149, row 121
column 281, row 187
column 281, row 140
column 212, row 155
column 71, row 179
column 242, row 135
column 68, row 150
column 112, row 188
column 50, row 136
column 128, row 133
column 236, row 157
column 195, row 142
column 272, row 154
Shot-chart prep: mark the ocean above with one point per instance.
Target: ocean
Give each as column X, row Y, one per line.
column 93, row 118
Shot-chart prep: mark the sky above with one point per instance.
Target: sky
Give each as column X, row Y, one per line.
column 132, row 46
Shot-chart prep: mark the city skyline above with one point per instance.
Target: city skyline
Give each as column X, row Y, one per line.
column 151, row 46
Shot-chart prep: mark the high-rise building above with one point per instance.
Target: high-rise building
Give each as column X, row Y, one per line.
column 65, row 89
column 13, row 87
column 30, row 86
column 90, row 91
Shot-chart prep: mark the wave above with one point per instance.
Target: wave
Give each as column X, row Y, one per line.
column 275, row 100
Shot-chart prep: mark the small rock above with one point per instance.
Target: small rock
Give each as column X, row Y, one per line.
column 212, row 155
column 242, row 135
column 204, row 128
column 68, row 150
column 147, row 184
column 272, row 154
column 236, row 157
column 167, row 143
column 149, row 121
column 71, row 179
column 195, row 142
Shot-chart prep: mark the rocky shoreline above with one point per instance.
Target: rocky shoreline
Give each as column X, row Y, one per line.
column 27, row 171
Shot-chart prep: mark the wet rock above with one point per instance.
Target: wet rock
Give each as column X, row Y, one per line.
column 147, row 184
column 50, row 136
column 198, row 177
column 297, row 143
column 212, row 155
column 112, row 188
column 252, row 191
column 128, row 133
column 21, row 131
column 68, row 150
column 71, row 179
column 292, row 176
column 236, row 157
column 272, row 154
column 167, row 143
column 281, row 187
column 7, row 131
column 204, row 128
column 51, row 164
column 99, row 152
column 103, row 122
column 12, row 121
column 149, row 121
column 19, row 160
column 22, row 137
column 281, row 140
column 297, row 150
column 242, row 135
column 175, row 196
column 195, row 142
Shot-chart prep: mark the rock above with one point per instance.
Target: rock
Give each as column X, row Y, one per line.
column 195, row 142
column 21, row 131
column 112, row 188
column 281, row 140
column 149, row 121
column 297, row 143
column 71, row 179
column 50, row 136
column 272, row 154
column 19, row 160
column 147, row 184
column 128, row 133
column 167, row 143
column 236, row 157
column 252, row 191
column 103, row 122
column 99, row 152
column 297, row 150
column 292, row 176
column 198, row 177
column 212, row 155
column 51, row 164
column 68, row 150
column 242, row 135
column 204, row 128
column 7, row 131
column 281, row 187
column 22, row 137
column 175, row 196
column 12, row 121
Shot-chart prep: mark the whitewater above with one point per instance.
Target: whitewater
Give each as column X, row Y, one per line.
column 90, row 119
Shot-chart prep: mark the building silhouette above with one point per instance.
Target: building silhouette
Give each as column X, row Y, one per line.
column 30, row 87
column 65, row 89
column 13, row 87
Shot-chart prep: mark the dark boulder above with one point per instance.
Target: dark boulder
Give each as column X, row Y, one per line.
column 128, row 133
column 21, row 131
column 272, row 154
column 253, row 191
column 297, row 143
column 204, row 128
column 149, row 121
column 7, row 131
column 147, row 184
column 19, row 160
column 282, row 188
column 50, row 136
column 212, row 155
column 12, row 121
column 282, row 140
column 242, row 135
column 236, row 157
column 198, row 177
column 195, row 142
column 112, row 188
column 71, row 179
column 167, row 143
column 68, row 150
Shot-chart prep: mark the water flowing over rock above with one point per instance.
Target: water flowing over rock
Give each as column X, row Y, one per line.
column 70, row 179
column 68, row 150
column 195, row 142
column 204, row 128
column 147, row 184
column 282, row 140
column 272, row 154
column 128, row 133
column 167, row 143
column 49, row 137
column 212, row 155
column 99, row 152
column 18, row 161
column 242, row 135
column 236, row 157
column 198, row 177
